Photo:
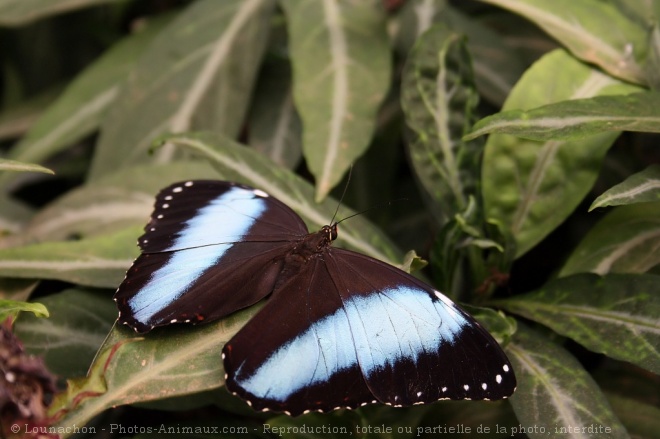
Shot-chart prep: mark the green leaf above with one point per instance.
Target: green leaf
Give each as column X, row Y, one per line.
column 11, row 308
column 653, row 60
column 616, row 314
column 119, row 200
column 555, row 393
column 16, row 166
column 625, row 241
column 197, row 74
column 275, row 127
column 438, row 99
column 78, row 111
column 13, row 216
column 67, row 341
column 642, row 187
column 15, row 120
column 497, row 64
column 99, row 262
column 341, row 67
column 237, row 163
column 585, row 28
column 575, row 119
column 641, row 420
column 20, row 12
column 168, row 362
column 531, row 187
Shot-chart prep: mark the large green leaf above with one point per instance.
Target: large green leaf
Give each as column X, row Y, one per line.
column 531, row 187
column 616, row 314
column 275, row 127
column 438, row 98
column 130, row 369
column 625, row 241
column 16, row 119
column 68, row 340
column 555, row 393
column 79, row 109
column 577, row 118
column 244, row 165
column 99, row 261
column 341, row 69
column 642, row 187
column 197, row 74
column 119, row 200
column 19, row 12
column 585, row 28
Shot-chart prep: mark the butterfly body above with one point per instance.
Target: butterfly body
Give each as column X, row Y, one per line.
column 340, row 329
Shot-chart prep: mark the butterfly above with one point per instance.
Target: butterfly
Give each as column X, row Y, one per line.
column 339, row 330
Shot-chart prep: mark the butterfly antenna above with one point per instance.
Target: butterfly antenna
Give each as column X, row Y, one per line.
column 343, row 194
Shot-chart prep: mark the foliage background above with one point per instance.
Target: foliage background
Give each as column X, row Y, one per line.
column 552, row 219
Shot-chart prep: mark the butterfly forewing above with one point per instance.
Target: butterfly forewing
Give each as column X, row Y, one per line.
column 210, row 249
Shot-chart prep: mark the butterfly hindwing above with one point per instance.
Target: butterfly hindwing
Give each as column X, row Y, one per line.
column 210, row 249
column 362, row 331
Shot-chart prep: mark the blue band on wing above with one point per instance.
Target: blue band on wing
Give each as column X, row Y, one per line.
column 378, row 329
column 231, row 214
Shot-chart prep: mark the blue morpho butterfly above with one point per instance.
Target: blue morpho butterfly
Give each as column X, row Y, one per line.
column 341, row 329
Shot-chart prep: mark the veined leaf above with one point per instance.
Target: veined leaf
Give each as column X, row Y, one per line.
column 553, row 386
column 653, row 60
column 642, row 187
column 575, row 119
column 114, row 202
column 13, row 216
column 625, row 241
column 197, row 74
column 585, row 28
column 16, row 119
column 642, row 420
column 99, row 262
column 616, row 314
column 79, row 109
column 16, row 166
column 438, row 99
column 496, row 63
column 275, row 126
column 68, row 340
column 244, row 165
column 531, row 187
column 341, row 68
column 20, row 12
column 130, row 369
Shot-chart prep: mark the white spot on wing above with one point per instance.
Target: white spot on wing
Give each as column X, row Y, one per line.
column 498, row 378
column 177, row 189
column 260, row 193
column 505, row 367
